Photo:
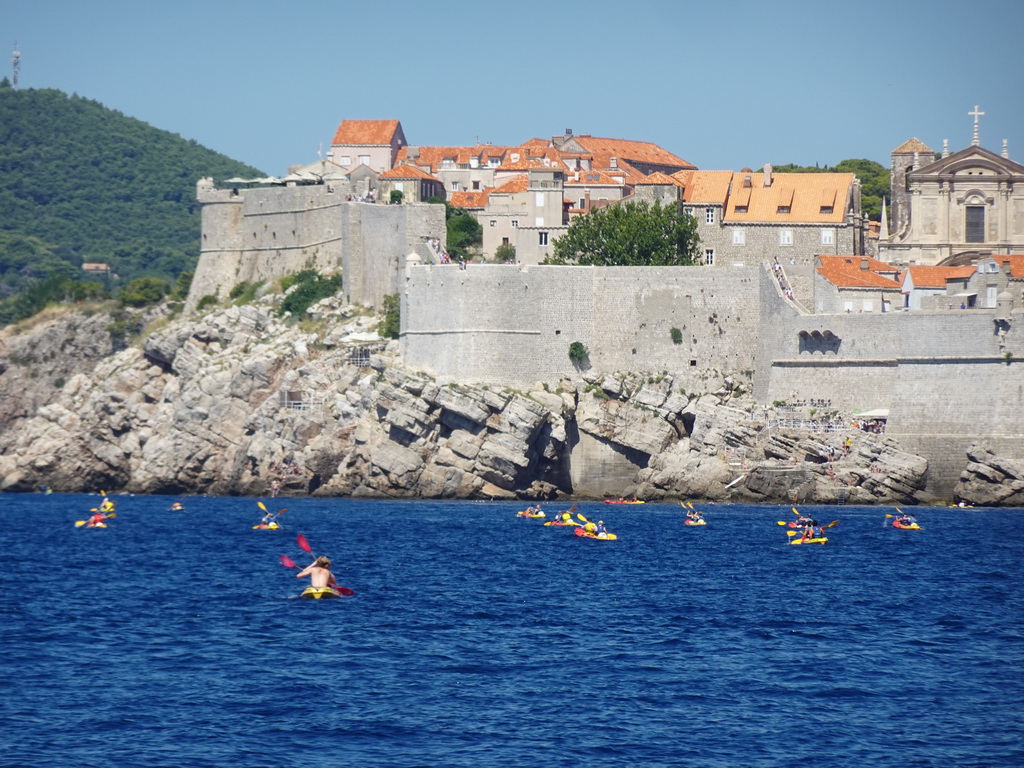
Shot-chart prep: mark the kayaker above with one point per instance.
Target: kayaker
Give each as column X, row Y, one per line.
column 107, row 505
column 319, row 572
column 268, row 520
column 600, row 529
column 98, row 519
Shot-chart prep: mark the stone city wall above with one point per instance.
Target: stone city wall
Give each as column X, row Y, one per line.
column 513, row 325
column 264, row 234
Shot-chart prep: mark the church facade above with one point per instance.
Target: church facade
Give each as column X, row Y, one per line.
column 954, row 209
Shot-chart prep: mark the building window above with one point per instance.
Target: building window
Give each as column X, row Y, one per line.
column 494, row 222
column 455, row 186
column 785, row 237
column 709, row 215
column 784, row 209
column 828, row 236
column 364, row 159
column 515, row 223
column 504, row 241
column 869, row 305
column 346, row 160
column 542, row 238
column 741, row 209
column 739, row 237
column 974, row 230
column 709, row 256
column 476, row 185
column 583, row 203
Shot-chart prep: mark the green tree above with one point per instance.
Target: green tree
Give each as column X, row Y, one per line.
column 390, row 325
column 631, row 234
column 505, row 253
column 143, row 291
column 464, row 234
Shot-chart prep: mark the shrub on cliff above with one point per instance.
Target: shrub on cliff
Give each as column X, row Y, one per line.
column 309, row 287
column 390, row 325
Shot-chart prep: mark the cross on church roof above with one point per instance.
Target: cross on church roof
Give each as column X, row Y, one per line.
column 976, row 114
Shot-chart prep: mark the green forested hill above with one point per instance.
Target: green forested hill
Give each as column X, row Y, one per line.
column 83, row 183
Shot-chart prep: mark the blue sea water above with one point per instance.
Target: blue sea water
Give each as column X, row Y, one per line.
column 476, row 638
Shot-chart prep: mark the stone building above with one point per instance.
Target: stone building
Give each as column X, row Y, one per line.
column 855, row 284
column 373, row 143
column 415, row 185
column 953, row 209
column 748, row 218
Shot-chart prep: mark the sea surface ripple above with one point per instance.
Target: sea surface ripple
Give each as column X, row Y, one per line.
column 479, row 639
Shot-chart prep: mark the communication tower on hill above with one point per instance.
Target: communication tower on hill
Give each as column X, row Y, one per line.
column 15, row 65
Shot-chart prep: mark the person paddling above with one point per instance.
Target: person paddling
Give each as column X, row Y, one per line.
column 97, row 519
column 319, row 572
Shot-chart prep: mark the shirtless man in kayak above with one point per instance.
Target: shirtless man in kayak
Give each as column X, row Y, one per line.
column 319, row 573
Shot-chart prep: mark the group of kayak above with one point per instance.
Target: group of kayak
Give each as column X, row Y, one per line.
column 100, row 515
column 584, row 529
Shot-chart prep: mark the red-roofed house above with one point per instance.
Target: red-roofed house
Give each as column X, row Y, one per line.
column 855, row 284
column 928, row 287
column 373, row 143
column 416, row 186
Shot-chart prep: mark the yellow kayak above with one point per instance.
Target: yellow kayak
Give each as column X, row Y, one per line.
column 261, row 527
column 319, row 593
column 818, row 540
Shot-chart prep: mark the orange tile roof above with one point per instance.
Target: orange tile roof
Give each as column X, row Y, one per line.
column 1016, row 262
column 802, row 193
column 911, row 146
column 660, row 178
column 366, row 132
column 854, row 263
column 408, row 172
column 475, row 199
column 631, row 151
column 595, row 178
column 433, row 157
column 936, row 277
column 515, row 184
column 705, row 186
column 863, row 278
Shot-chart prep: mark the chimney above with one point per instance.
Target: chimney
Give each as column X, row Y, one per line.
column 767, row 174
column 864, row 264
column 746, row 182
column 568, row 131
column 613, row 163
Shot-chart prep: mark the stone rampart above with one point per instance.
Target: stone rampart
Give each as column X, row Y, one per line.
column 944, row 376
column 263, row 234
column 512, row 326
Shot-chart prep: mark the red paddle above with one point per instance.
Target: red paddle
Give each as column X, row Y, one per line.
column 286, row 561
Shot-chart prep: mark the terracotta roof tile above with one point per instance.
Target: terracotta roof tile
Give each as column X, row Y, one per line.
column 911, row 146
column 705, row 186
column 631, row 151
column 408, row 172
column 366, row 132
column 1016, row 262
column 660, row 178
column 475, row 199
column 515, row 184
column 856, row 262
column 800, row 193
column 936, row 277
column 860, row 278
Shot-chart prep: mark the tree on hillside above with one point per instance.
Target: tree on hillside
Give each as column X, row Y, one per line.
column 874, row 181
column 80, row 182
column 632, row 235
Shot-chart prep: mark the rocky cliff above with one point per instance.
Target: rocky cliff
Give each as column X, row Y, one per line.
column 236, row 399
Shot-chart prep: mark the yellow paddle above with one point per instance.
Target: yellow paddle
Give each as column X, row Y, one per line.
column 79, row 523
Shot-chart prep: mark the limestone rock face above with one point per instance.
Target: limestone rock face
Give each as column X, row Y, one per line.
column 230, row 401
column 989, row 480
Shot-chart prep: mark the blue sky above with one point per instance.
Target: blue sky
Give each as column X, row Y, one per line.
column 721, row 84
